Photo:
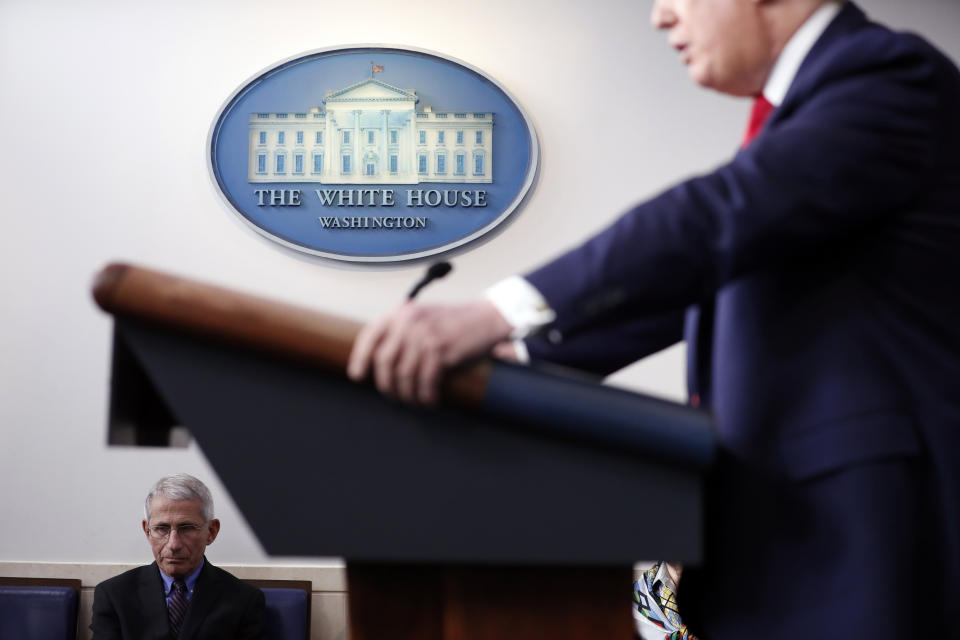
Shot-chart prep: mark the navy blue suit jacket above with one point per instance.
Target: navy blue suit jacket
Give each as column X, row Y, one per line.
column 827, row 257
column 132, row 606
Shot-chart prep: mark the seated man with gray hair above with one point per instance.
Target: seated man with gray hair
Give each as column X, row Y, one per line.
column 181, row 595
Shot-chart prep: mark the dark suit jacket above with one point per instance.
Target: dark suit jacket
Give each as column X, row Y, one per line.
column 132, row 606
column 825, row 258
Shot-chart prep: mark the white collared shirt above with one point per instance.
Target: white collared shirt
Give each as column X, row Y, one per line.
column 795, row 51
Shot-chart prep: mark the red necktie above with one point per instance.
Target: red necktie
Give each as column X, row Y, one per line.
column 758, row 116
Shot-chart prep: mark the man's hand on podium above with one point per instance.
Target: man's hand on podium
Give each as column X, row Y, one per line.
column 409, row 349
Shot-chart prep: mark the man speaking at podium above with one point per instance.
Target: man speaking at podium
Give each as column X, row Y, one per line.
column 814, row 279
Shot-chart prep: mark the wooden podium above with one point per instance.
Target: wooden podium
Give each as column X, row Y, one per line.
column 514, row 510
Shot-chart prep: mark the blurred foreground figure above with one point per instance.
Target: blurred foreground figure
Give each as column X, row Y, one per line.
column 814, row 280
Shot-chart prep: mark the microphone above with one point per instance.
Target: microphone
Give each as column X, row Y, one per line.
column 436, row 271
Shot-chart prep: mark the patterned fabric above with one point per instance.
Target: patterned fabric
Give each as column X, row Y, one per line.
column 177, row 607
column 655, row 606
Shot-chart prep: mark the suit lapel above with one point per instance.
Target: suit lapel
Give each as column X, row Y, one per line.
column 205, row 595
column 820, row 58
column 152, row 602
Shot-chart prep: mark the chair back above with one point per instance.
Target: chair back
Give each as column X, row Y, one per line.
column 39, row 608
column 288, row 608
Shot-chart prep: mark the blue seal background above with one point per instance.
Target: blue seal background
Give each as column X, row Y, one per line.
column 301, row 83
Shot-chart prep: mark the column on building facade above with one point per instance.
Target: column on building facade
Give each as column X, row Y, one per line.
column 331, row 149
column 328, row 146
column 356, row 160
column 414, row 144
column 405, row 142
column 488, row 149
column 414, row 141
column 384, row 145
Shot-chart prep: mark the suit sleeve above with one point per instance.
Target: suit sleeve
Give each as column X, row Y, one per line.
column 105, row 624
column 253, row 626
column 612, row 343
column 849, row 152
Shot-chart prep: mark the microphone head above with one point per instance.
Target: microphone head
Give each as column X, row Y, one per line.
column 438, row 270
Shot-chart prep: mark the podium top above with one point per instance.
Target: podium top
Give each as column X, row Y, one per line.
column 549, row 400
column 306, row 335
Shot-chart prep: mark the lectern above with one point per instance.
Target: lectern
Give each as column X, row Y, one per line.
column 516, row 509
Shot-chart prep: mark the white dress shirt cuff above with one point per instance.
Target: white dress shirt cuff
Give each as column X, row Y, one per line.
column 521, row 305
column 521, row 351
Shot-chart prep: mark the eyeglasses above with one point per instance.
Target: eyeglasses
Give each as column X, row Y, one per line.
column 162, row 531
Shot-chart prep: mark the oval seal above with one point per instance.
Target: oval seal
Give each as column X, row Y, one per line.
column 373, row 153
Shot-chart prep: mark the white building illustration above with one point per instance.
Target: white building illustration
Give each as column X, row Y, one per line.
column 371, row 133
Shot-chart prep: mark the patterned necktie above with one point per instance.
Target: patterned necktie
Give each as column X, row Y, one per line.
column 177, row 607
column 758, row 117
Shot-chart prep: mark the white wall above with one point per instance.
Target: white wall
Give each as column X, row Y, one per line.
column 105, row 110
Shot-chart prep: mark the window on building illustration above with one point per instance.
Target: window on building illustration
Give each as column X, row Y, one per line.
column 346, row 164
column 479, row 137
column 440, row 137
column 371, row 169
column 298, row 163
column 281, row 136
column 423, row 137
column 441, row 164
column 281, row 164
column 319, row 137
column 459, row 137
column 393, row 164
column 318, row 163
column 478, row 165
column 263, row 137
column 393, row 137
column 370, row 137
column 422, row 163
column 461, row 164
column 299, row 137
column 346, row 137
column 261, row 163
